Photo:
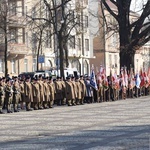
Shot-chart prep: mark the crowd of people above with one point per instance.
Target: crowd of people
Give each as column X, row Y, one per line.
column 43, row 92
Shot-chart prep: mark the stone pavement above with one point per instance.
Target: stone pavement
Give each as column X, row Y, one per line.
column 119, row 125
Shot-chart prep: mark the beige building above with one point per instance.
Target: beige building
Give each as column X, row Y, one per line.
column 106, row 44
column 24, row 39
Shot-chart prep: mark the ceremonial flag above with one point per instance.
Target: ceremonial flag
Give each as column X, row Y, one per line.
column 137, row 80
column 142, row 78
column 125, row 77
column 93, row 79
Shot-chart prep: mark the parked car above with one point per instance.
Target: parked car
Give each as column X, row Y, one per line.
column 26, row 74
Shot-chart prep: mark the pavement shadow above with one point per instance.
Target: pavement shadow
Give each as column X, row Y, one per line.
column 115, row 138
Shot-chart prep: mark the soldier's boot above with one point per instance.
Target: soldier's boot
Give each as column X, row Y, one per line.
column 59, row 102
column 77, row 101
column 82, row 101
column 51, row 103
column 63, row 101
column 15, row 106
column 40, row 105
column 8, row 108
column 69, row 102
column 28, row 106
column 74, row 102
column 45, row 105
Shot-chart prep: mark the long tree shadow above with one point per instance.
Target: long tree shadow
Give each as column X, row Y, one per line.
column 115, row 138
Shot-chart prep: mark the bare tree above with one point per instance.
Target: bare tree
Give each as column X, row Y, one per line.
column 8, row 13
column 133, row 33
column 62, row 19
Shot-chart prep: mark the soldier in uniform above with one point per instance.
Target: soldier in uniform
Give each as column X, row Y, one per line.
column 9, row 95
column 35, row 94
column 70, row 94
column 28, row 94
column 4, row 85
column 46, row 93
column 2, row 96
column 78, row 90
column 83, row 87
column 41, row 91
column 51, row 90
column 16, row 94
column 100, row 88
column 63, row 91
column 21, row 82
column 58, row 91
column 75, row 90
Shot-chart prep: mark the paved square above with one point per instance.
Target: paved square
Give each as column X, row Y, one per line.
column 119, row 125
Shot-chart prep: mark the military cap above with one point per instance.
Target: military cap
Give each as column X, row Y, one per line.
column 40, row 75
column 58, row 77
column 67, row 78
column 77, row 77
column 27, row 78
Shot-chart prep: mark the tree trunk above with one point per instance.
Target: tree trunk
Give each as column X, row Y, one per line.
column 61, row 56
column 126, row 59
column 6, row 50
column 38, row 50
column 66, row 54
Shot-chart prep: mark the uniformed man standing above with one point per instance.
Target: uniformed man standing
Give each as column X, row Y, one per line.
column 74, row 89
column 63, row 91
column 28, row 94
column 51, row 92
column 9, row 95
column 2, row 96
column 21, row 82
column 46, row 93
column 41, row 91
column 78, row 90
column 16, row 94
column 83, row 87
column 35, row 94
column 70, row 94
column 58, row 91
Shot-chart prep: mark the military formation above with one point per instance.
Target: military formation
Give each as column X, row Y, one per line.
column 43, row 92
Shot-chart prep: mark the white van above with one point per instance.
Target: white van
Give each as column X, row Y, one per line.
column 67, row 72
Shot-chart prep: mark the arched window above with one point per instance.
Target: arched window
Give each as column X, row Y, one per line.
column 86, row 67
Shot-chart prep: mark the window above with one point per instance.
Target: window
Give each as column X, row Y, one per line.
column 87, row 44
column 13, row 66
column 115, row 60
column 1, row 65
column 34, row 41
column 33, row 12
column 79, row 44
column 13, row 7
column 34, row 64
column 110, row 60
column 72, row 42
column 48, row 43
column 71, row 16
column 26, row 65
column 86, row 22
column 13, row 35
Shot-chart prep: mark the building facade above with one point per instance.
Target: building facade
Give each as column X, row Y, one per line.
column 24, row 39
